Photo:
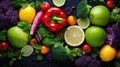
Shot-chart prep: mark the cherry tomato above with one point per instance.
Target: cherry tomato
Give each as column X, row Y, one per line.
column 71, row 20
column 45, row 6
column 3, row 46
column 44, row 49
column 86, row 48
column 33, row 41
column 118, row 54
column 110, row 4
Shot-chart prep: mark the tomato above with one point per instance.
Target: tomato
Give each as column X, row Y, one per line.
column 118, row 54
column 86, row 48
column 110, row 4
column 44, row 49
column 33, row 41
column 3, row 46
column 45, row 6
column 71, row 20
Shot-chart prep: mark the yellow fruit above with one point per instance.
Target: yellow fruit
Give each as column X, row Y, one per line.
column 74, row 35
column 27, row 14
column 107, row 53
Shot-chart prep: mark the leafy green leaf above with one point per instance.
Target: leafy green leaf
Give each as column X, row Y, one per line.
column 24, row 5
column 39, row 57
column 32, row 4
column 95, row 52
column 3, row 35
column 117, row 63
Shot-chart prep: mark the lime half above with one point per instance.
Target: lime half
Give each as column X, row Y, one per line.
column 74, row 35
column 59, row 3
column 27, row 50
column 83, row 23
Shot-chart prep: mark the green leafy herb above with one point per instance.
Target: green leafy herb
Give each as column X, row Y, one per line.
column 24, row 26
column 115, row 15
column 3, row 35
column 95, row 52
column 39, row 57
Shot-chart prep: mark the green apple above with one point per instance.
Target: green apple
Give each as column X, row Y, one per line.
column 99, row 15
column 17, row 37
column 95, row 36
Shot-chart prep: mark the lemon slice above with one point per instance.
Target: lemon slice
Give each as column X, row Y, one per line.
column 83, row 23
column 74, row 35
column 59, row 3
column 27, row 50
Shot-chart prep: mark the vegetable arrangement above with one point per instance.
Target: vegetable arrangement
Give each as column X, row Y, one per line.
column 44, row 34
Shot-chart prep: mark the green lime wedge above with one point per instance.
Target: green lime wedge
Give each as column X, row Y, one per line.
column 27, row 50
column 59, row 3
column 83, row 23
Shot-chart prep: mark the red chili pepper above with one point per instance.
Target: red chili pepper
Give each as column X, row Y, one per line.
column 54, row 19
column 110, row 4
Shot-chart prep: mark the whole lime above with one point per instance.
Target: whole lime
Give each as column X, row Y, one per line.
column 99, row 15
column 17, row 37
column 95, row 36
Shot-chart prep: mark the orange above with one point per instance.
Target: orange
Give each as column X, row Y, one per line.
column 71, row 20
column 107, row 53
column 27, row 14
column 44, row 49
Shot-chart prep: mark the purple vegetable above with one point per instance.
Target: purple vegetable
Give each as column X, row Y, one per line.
column 8, row 15
column 68, row 10
column 87, row 61
column 113, row 36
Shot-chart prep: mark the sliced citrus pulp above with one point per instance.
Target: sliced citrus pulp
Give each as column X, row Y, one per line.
column 74, row 35
column 83, row 23
column 27, row 50
column 59, row 3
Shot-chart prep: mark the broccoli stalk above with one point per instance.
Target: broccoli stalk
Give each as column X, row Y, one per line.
column 83, row 9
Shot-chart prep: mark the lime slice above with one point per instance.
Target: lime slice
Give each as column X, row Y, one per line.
column 74, row 35
column 83, row 23
column 59, row 3
column 27, row 50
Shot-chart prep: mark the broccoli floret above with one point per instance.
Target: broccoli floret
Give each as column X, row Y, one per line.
column 113, row 36
column 83, row 9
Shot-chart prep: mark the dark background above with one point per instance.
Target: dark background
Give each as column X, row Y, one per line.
column 31, row 60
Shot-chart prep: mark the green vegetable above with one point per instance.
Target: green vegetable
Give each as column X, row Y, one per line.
column 74, row 52
column 17, row 3
column 83, row 9
column 59, row 52
column 3, row 35
column 117, row 63
column 115, row 15
column 24, row 26
column 99, row 1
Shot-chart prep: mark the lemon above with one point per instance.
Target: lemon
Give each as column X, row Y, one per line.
column 27, row 50
column 27, row 14
column 59, row 3
column 74, row 35
column 83, row 23
column 107, row 53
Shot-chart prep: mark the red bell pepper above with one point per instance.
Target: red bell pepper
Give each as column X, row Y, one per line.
column 54, row 19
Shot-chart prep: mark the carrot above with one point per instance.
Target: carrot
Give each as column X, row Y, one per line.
column 36, row 21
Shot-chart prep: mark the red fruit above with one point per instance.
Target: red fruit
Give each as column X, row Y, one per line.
column 110, row 4
column 3, row 46
column 45, row 6
column 33, row 41
column 86, row 48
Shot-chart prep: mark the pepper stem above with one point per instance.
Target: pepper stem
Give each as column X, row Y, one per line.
column 55, row 19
